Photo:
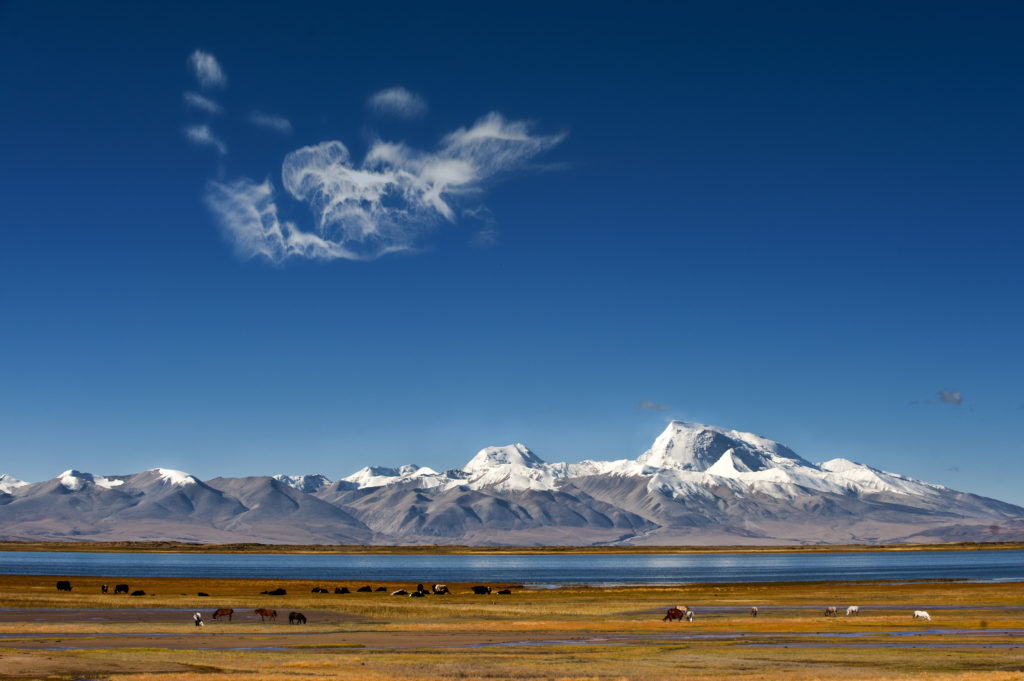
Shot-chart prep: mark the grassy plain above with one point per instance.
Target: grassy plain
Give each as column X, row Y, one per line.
column 977, row 632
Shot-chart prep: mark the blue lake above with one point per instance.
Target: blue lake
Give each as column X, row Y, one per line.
column 535, row 570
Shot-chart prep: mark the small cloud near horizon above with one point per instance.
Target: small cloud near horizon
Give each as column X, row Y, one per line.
column 207, row 69
column 648, row 405
column 397, row 101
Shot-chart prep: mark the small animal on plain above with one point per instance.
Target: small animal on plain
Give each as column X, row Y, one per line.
column 266, row 614
column 922, row 615
column 441, row 589
column 203, row 593
column 365, row 589
column 417, row 594
column 138, row 592
column 198, row 619
column 753, row 611
column 63, row 585
column 103, row 588
column 853, row 610
column 399, row 592
column 481, row 590
column 831, row 611
column 222, row 612
column 505, row 592
column 275, row 592
column 121, row 588
column 419, row 587
column 341, row 590
column 673, row 614
column 296, row 618
column 319, row 590
column 380, row 588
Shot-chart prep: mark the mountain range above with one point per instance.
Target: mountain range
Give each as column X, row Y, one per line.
column 696, row 485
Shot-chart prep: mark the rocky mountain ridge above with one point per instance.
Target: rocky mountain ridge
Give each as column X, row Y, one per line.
column 697, row 484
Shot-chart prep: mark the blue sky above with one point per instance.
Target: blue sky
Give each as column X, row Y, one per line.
column 244, row 239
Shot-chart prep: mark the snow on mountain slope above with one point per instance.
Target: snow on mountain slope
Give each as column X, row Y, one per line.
column 76, row 480
column 685, row 459
column 379, row 476
column 697, row 447
column 310, row 484
column 512, row 467
column 8, row 483
column 865, row 479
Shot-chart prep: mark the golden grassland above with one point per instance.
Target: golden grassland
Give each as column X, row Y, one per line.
column 576, row 633
column 435, row 549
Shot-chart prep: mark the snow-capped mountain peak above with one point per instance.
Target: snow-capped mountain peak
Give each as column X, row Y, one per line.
column 76, row 480
column 698, row 447
column 378, row 476
column 309, row 484
column 8, row 483
column 173, row 477
column 509, row 455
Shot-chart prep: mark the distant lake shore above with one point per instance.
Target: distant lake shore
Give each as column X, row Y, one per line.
column 442, row 549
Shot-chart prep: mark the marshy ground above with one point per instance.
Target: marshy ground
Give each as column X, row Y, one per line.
column 976, row 632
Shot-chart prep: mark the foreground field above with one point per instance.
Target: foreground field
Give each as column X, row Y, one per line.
column 976, row 632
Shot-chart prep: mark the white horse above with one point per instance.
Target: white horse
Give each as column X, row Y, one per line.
column 753, row 611
column 853, row 610
column 922, row 615
column 689, row 615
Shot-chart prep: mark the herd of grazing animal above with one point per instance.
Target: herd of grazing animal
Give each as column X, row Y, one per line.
column 680, row 612
column 684, row 612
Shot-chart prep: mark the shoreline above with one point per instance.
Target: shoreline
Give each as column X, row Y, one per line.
column 441, row 549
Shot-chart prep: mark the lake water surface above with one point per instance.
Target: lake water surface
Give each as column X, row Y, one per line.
column 535, row 570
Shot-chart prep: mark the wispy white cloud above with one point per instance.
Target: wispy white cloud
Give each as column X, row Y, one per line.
column 363, row 211
column 397, row 101
column 207, row 69
column 203, row 136
column 197, row 101
column 248, row 214
column 271, row 122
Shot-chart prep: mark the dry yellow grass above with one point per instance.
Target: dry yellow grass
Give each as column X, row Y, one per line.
column 566, row 634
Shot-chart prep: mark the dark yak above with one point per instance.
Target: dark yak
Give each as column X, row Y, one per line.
column 120, row 588
column 481, row 590
column 63, row 585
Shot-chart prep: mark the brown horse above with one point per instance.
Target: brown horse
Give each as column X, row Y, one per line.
column 673, row 614
column 222, row 612
column 266, row 614
column 296, row 618
column 831, row 611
